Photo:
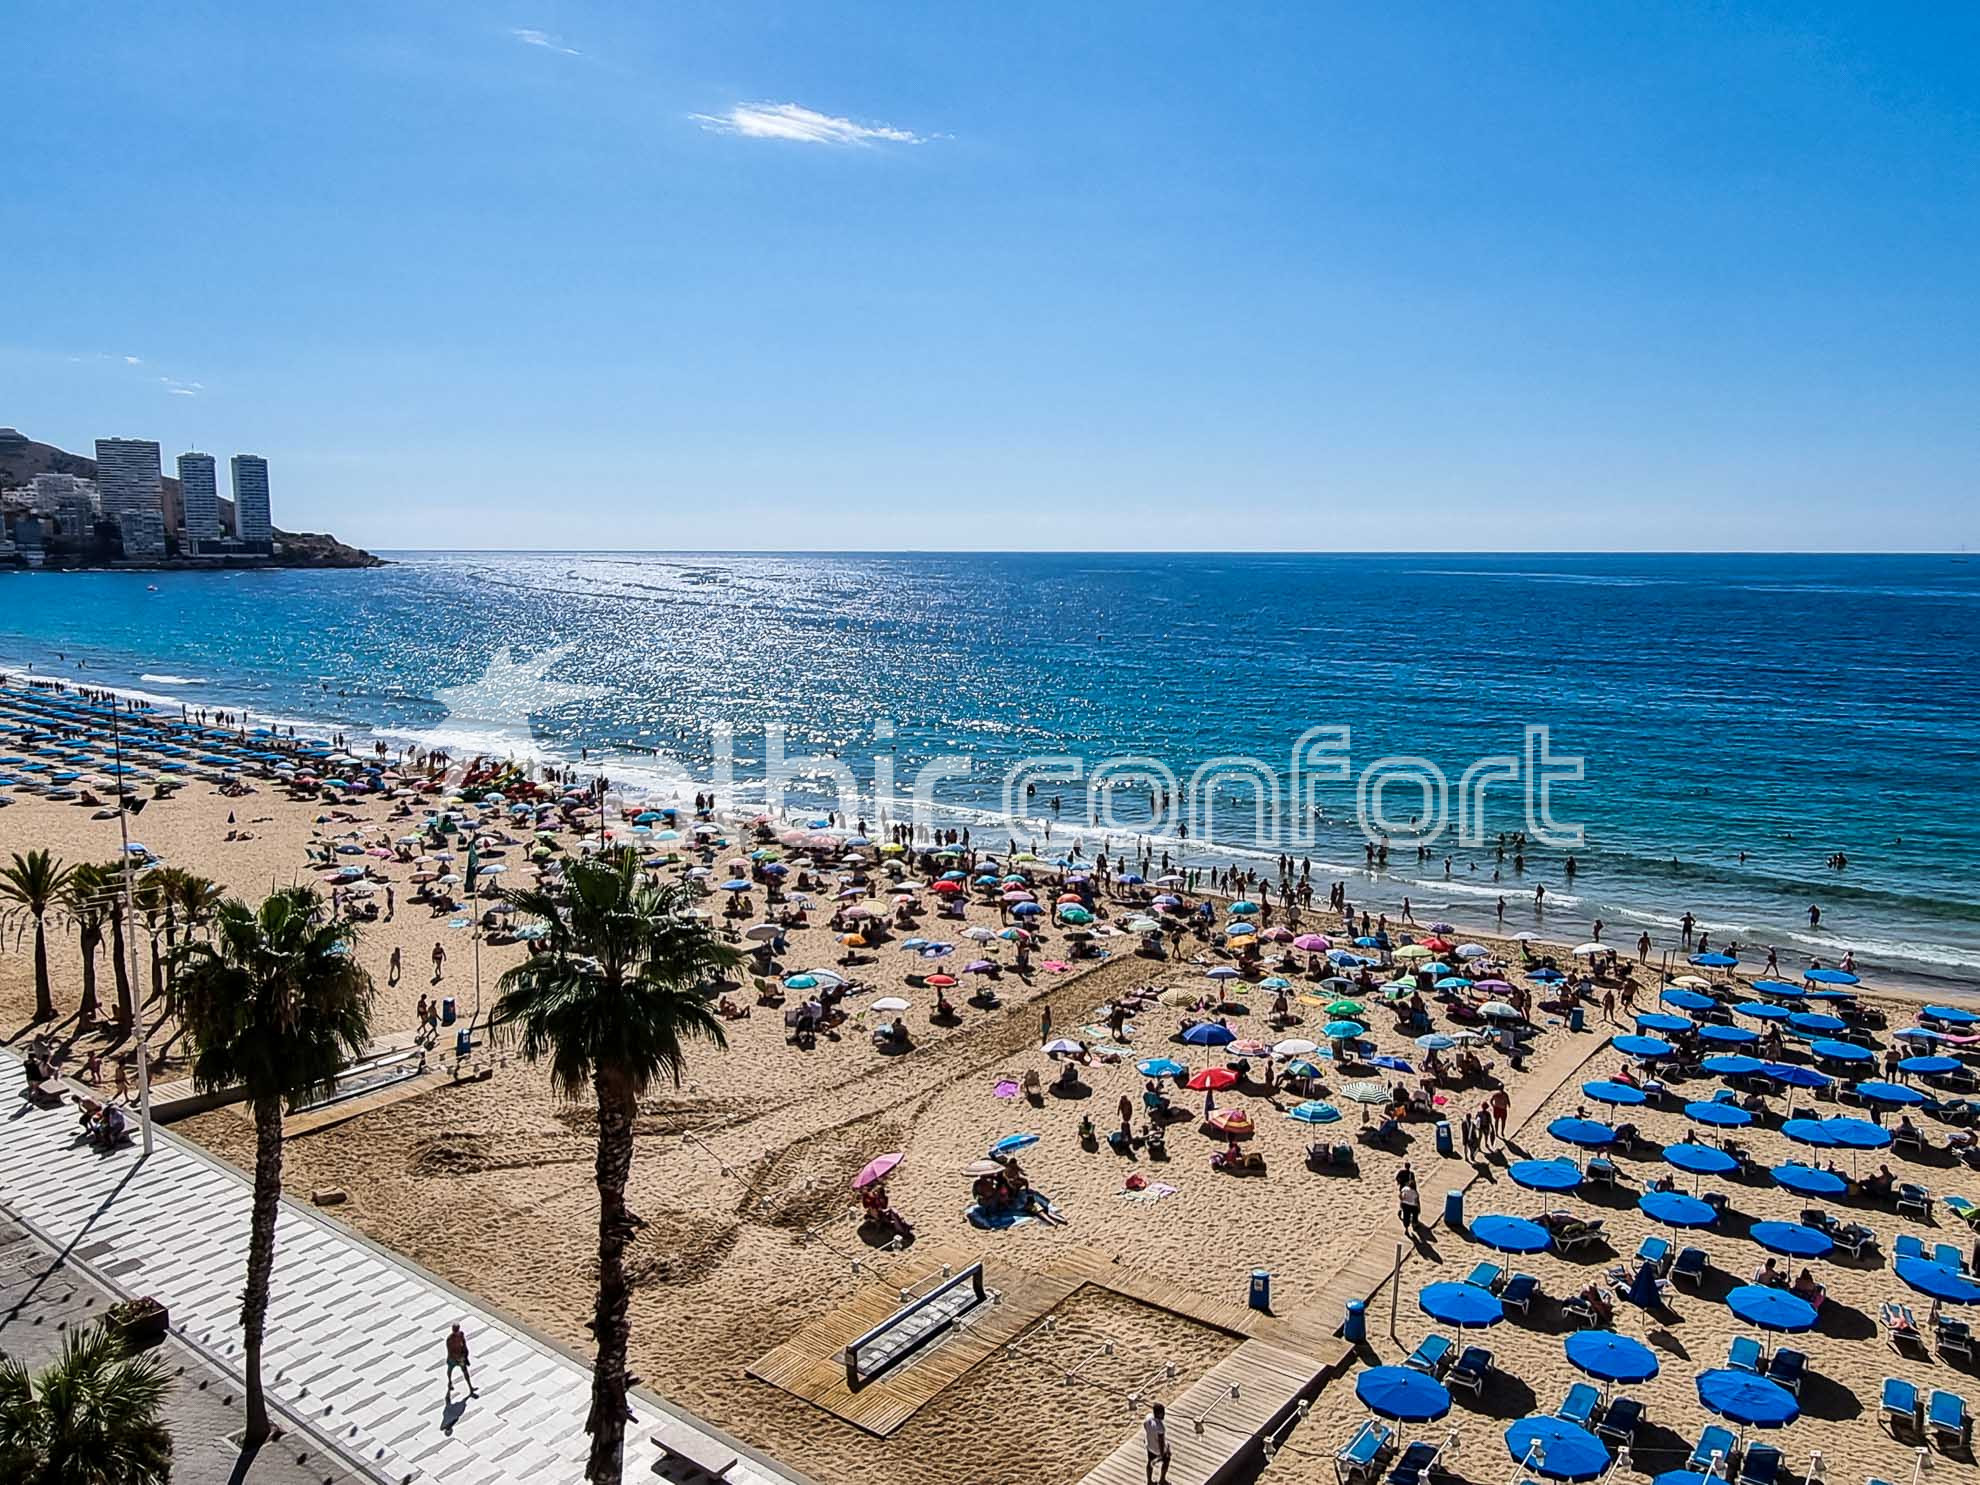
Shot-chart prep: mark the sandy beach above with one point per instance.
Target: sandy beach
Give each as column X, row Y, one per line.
column 741, row 1179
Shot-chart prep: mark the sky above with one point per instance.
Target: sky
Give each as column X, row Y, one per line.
column 739, row 275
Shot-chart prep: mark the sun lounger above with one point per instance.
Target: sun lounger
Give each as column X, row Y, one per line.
column 1431, row 1356
column 1713, row 1449
column 1901, row 1327
column 1786, row 1367
column 1486, row 1276
column 1946, row 1255
column 1746, row 1355
column 1601, row 1171
column 1519, row 1291
column 1913, row 1197
column 1575, row 1234
column 1946, row 1418
column 1414, row 1465
column 1365, row 1452
column 1690, row 1266
column 1619, row 1420
column 1580, row 1311
column 1655, row 1250
column 1761, row 1465
column 1579, row 1405
column 1852, row 1237
column 1471, row 1371
column 1900, row 1407
column 1955, row 1336
column 1906, row 1246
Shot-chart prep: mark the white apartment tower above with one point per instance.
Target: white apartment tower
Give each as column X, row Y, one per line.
column 127, row 477
column 199, row 497
column 253, row 525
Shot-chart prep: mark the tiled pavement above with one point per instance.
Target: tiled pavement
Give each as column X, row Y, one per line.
column 356, row 1336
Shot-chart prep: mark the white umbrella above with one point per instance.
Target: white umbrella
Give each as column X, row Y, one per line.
column 762, row 933
column 1590, row 950
column 890, row 1003
column 1295, row 1047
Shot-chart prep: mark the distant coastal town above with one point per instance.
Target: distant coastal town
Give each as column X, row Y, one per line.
column 120, row 509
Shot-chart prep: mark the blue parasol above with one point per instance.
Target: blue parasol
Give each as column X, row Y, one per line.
column 1510, row 1234
column 1209, row 1034
column 1610, row 1357
column 1700, row 1160
column 1013, row 1142
column 1891, row 1093
column 1809, row 1132
column 1835, row 1051
column 1586, row 1133
column 1790, row 1075
column 1761, row 1010
column 1729, row 1036
column 1555, row 1449
column 1464, row 1305
column 1750, row 1401
column 1545, row 1175
column 1937, row 1281
column 1830, row 977
column 1687, row 1000
column 1780, row 989
column 1161, row 1067
column 1770, row 1308
column 1791, row 1239
column 1603, row 1091
column 1675, row 1209
column 1817, row 1024
column 1929, row 1067
column 1952, row 1015
column 1404, row 1395
column 1642, row 1046
column 1857, row 1134
column 1658, row 1021
column 1714, row 960
column 1718, row 1115
column 1731, row 1065
column 1808, row 1180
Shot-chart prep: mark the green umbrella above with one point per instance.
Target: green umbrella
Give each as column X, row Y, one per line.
column 1345, row 1008
column 1365, row 1092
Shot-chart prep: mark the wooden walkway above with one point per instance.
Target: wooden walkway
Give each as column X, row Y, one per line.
column 1249, row 1394
column 812, row 1362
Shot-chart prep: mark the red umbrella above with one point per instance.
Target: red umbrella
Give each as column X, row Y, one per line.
column 1071, row 899
column 941, row 982
column 1212, row 1077
column 945, row 887
column 877, row 1169
column 1438, row 945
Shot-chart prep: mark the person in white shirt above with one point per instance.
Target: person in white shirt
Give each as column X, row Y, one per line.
column 1156, row 1432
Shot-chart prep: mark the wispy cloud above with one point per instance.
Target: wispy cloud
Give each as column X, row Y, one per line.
column 182, row 389
column 530, row 36
column 805, row 125
column 133, row 360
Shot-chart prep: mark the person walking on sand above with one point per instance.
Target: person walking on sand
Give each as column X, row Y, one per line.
column 457, row 1356
column 439, row 960
column 397, row 968
column 1156, row 1434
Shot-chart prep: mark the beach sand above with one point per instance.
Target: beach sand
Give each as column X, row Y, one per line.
column 741, row 1178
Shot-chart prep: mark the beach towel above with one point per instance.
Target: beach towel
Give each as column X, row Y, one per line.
column 1005, row 1088
column 995, row 1222
column 1153, row 1191
column 1111, row 1049
column 1057, row 966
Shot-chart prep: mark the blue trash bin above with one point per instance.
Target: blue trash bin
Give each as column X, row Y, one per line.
column 1576, row 1021
column 447, row 1013
column 1444, row 1146
column 1454, row 1211
column 1354, row 1329
column 1261, row 1290
column 463, row 1042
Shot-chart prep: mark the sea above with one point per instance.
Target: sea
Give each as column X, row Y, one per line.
column 1753, row 735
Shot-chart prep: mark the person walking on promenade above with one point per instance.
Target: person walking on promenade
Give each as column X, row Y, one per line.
column 457, row 1356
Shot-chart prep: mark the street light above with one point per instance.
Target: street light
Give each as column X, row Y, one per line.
column 130, row 921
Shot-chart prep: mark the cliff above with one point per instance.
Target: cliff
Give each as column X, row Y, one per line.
column 21, row 459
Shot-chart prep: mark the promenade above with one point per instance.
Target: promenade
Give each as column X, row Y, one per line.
column 356, row 1335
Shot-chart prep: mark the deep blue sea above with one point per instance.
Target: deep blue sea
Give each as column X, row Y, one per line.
column 1787, row 708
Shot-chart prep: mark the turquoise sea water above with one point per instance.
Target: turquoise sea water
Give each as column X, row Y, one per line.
column 1786, row 707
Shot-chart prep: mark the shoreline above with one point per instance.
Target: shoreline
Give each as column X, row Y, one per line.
column 1380, row 890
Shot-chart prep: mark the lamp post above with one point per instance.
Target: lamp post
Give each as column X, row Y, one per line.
column 130, row 922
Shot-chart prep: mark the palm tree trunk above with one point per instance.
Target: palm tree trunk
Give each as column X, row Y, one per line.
column 44, row 1001
column 126, row 1007
column 261, row 1257
column 92, row 940
column 611, row 1322
column 157, row 970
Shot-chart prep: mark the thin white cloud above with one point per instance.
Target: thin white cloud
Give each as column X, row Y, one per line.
column 805, row 125
column 530, row 36
column 133, row 360
column 182, row 389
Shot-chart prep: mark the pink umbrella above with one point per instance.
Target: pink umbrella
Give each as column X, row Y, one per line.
column 1313, row 943
column 877, row 1170
column 1278, row 935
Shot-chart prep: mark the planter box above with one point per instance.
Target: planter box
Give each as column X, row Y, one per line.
column 140, row 1323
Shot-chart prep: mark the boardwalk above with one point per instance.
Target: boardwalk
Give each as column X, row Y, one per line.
column 355, row 1334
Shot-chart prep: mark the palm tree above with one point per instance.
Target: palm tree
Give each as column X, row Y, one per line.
column 274, row 1005
column 620, row 985
column 33, row 885
column 190, row 902
column 89, row 1419
column 148, row 896
column 86, row 904
column 120, row 961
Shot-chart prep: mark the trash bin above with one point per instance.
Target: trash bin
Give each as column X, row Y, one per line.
column 1444, row 1138
column 1454, row 1211
column 463, row 1042
column 1354, row 1329
column 447, row 1013
column 1576, row 1021
column 1261, row 1290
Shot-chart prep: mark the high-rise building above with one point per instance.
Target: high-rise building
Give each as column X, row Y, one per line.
column 199, row 495
column 143, row 533
column 254, row 527
column 127, row 477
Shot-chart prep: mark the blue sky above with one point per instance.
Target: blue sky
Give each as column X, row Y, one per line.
column 747, row 275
